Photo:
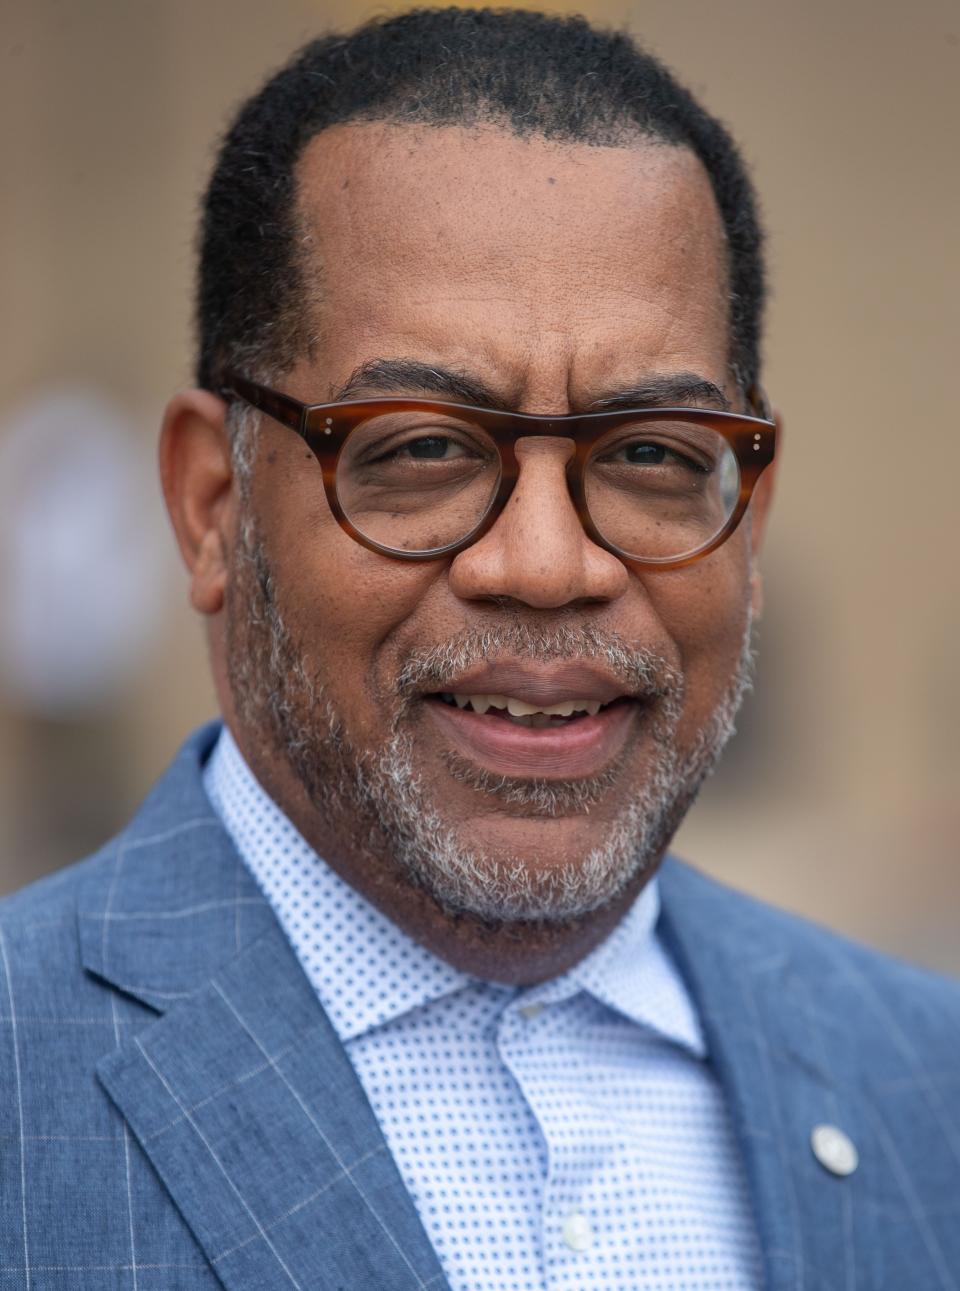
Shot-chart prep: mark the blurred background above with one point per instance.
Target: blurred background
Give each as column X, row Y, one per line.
column 840, row 797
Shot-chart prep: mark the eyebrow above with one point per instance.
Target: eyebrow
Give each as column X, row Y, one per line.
column 402, row 376
column 405, row 376
column 676, row 390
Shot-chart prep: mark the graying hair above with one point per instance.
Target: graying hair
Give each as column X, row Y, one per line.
column 243, row 427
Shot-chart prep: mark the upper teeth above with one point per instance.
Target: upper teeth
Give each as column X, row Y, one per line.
column 518, row 708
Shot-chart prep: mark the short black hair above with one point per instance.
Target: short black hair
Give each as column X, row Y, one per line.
column 537, row 74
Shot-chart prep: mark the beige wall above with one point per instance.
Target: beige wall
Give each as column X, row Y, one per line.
column 841, row 799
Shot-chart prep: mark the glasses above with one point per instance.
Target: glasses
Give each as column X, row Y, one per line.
column 418, row 479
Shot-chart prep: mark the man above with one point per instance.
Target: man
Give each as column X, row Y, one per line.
column 388, row 984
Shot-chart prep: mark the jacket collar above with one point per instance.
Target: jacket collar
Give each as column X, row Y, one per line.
column 241, row 1094
column 786, row 1063
column 168, row 901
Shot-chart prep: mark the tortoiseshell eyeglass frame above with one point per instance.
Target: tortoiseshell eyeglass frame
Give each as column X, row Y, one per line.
column 324, row 427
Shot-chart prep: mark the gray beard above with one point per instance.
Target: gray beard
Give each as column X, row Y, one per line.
column 378, row 796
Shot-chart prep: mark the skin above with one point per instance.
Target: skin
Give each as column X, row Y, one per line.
column 556, row 274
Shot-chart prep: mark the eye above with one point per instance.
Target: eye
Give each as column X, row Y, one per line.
column 432, row 448
column 646, row 454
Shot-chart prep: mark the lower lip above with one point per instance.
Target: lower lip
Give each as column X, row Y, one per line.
column 581, row 747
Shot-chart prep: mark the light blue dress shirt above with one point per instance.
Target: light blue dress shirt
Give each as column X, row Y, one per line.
column 569, row 1136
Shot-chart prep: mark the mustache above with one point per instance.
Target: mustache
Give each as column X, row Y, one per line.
column 641, row 671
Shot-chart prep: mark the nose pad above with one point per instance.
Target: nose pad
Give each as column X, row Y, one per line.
column 537, row 552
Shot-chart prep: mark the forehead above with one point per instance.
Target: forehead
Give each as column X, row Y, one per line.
column 474, row 243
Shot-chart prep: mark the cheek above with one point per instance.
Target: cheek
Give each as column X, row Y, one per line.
column 349, row 602
column 705, row 609
column 340, row 602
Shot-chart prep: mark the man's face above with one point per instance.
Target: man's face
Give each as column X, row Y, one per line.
column 553, row 276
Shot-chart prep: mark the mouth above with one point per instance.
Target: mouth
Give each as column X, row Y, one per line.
column 520, row 713
column 572, row 737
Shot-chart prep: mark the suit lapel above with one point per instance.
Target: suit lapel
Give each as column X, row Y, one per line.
column 252, row 1115
column 240, row 1094
column 786, row 1065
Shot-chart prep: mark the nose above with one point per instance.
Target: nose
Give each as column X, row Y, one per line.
column 537, row 553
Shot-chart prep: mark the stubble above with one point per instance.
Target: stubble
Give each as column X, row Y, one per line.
column 379, row 795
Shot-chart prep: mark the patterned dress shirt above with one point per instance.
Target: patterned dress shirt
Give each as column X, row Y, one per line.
column 569, row 1136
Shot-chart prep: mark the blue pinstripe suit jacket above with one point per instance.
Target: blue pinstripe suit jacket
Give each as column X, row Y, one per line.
column 176, row 1111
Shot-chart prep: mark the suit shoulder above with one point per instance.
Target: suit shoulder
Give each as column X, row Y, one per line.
column 38, row 923
column 55, row 895
column 842, row 975
column 175, row 803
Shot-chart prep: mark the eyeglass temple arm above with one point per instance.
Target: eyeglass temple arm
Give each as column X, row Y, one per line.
column 288, row 411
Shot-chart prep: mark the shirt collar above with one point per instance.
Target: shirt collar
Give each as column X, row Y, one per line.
column 630, row 971
column 358, row 989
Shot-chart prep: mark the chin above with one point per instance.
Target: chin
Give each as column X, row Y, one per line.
column 530, row 868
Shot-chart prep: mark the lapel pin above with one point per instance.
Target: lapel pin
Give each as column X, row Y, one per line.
column 834, row 1150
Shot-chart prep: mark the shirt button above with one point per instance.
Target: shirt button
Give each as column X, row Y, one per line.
column 834, row 1150
column 530, row 1011
column 577, row 1232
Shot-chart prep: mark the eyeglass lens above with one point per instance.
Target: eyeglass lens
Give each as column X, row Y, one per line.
column 417, row 481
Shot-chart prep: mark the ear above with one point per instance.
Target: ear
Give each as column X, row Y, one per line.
column 196, row 472
column 759, row 511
